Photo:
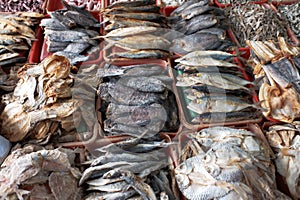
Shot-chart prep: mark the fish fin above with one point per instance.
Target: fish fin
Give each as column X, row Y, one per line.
column 257, row 105
column 255, row 83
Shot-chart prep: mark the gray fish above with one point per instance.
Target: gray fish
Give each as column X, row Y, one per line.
column 143, row 70
column 183, row 6
column 13, row 60
column 197, row 41
column 197, row 4
column 132, row 3
column 221, row 33
column 81, row 19
column 4, row 148
column 151, row 129
column 200, row 22
column 195, row 11
column 53, row 24
column 112, row 195
column 143, row 84
column 128, row 96
column 154, row 17
column 111, row 187
column 58, row 15
column 76, row 48
column 64, row 35
column 220, row 117
column 143, row 8
column 141, row 54
column 132, row 111
column 73, row 58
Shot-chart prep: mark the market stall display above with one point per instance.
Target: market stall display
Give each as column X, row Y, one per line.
column 142, row 100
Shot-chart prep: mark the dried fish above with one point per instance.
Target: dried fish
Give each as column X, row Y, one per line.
column 284, row 140
column 281, row 86
column 22, row 169
column 219, row 164
column 291, row 14
column 255, row 22
column 69, row 33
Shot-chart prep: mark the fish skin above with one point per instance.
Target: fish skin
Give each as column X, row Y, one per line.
column 7, row 56
column 144, row 70
column 132, row 3
column 117, row 22
column 128, row 31
column 220, row 55
column 53, row 23
column 218, row 117
column 128, row 96
column 154, row 17
column 141, row 54
column 13, row 60
column 143, row 84
column 152, row 128
column 125, row 110
column 200, row 22
column 143, row 8
column 111, row 187
column 73, row 58
column 140, row 42
column 10, row 39
column 81, row 19
column 76, row 48
column 183, row 6
column 62, row 19
column 204, row 61
column 218, row 104
column 221, row 33
column 197, row 41
column 64, row 35
column 207, row 89
column 195, row 11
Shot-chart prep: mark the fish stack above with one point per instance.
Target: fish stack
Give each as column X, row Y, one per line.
column 131, row 169
column 199, row 26
column 135, row 27
column 226, row 163
column 255, row 22
column 16, row 36
column 22, row 6
column 137, row 100
column 291, row 13
column 279, row 63
column 285, row 141
column 215, row 88
column 33, row 172
column 69, row 33
column 237, row 1
column 91, row 5
column 41, row 102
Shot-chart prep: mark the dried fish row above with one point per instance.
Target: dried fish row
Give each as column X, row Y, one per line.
column 92, row 5
column 138, row 28
column 214, row 87
column 255, row 22
column 22, row 6
column 34, row 172
column 279, row 92
column 133, row 168
column 70, row 32
column 137, row 100
column 16, row 36
column 41, row 102
column 199, row 26
column 226, row 163
column 284, row 140
column 292, row 15
column 237, row 1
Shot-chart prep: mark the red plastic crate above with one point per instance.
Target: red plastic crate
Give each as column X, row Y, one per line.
column 35, row 51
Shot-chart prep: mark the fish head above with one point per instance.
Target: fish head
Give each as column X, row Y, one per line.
column 182, row 180
column 178, row 46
